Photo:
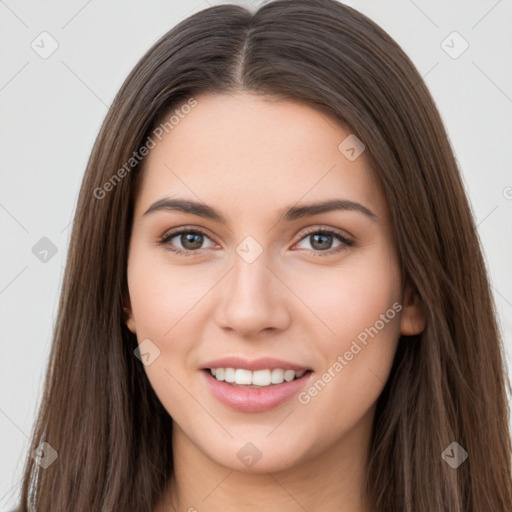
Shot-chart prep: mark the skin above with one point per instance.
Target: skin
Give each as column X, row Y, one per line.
column 250, row 157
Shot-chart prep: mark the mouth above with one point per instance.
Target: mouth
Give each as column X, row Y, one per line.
column 255, row 391
column 258, row 379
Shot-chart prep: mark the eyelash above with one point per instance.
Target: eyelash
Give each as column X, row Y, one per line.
column 164, row 241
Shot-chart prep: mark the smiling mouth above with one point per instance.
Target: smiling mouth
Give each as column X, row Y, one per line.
column 256, row 390
column 243, row 378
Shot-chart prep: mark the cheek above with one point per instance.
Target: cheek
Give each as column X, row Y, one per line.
column 157, row 303
column 162, row 302
column 361, row 306
column 349, row 298
column 161, row 294
column 168, row 303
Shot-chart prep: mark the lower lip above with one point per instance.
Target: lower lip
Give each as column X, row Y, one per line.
column 254, row 399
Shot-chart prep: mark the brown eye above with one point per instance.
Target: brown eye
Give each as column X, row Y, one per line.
column 191, row 241
column 321, row 241
column 187, row 241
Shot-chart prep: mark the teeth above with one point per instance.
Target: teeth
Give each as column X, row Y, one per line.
column 243, row 376
column 229, row 375
column 257, row 378
column 261, row 378
column 289, row 375
column 277, row 376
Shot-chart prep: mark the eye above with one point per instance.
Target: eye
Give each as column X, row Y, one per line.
column 189, row 239
column 322, row 239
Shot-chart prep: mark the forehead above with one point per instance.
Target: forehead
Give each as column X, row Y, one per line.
column 257, row 153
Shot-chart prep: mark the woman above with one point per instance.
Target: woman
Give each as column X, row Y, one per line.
column 275, row 296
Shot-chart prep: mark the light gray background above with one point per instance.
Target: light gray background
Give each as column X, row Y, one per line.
column 51, row 110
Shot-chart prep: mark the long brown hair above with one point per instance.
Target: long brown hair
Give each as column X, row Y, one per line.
column 449, row 384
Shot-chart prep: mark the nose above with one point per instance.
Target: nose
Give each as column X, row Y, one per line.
column 252, row 298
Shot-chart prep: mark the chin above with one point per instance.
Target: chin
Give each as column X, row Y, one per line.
column 258, row 457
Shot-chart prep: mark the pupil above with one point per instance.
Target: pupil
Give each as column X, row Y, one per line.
column 326, row 244
column 189, row 237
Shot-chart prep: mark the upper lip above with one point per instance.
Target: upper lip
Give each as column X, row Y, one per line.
column 262, row 363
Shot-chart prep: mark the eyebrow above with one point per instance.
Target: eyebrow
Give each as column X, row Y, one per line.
column 290, row 214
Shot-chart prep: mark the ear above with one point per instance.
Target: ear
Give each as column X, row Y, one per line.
column 413, row 319
column 129, row 320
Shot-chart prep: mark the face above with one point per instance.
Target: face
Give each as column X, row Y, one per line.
column 253, row 280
